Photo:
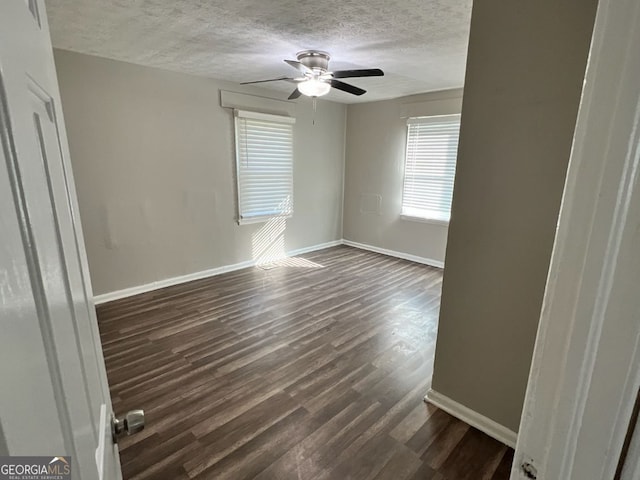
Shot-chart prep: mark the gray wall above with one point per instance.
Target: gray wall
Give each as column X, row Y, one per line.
column 375, row 154
column 525, row 69
column 152, row 153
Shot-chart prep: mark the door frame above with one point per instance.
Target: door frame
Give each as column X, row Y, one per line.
column 585, row 373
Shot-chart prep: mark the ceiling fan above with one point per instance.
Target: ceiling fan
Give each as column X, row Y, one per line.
column 317, row 80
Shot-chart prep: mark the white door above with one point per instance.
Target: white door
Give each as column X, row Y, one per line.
column 585, row 374
column 54, row 397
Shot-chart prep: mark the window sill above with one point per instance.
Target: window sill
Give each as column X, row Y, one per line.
column 263, row 219
column 433, row 221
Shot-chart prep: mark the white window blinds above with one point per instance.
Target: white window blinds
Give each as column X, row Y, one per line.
column 264, row 162
column 430, row 167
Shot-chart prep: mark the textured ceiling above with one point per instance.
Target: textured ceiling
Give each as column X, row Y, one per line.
column 420, row 44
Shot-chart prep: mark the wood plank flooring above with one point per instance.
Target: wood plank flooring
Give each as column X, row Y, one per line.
column 313, row 368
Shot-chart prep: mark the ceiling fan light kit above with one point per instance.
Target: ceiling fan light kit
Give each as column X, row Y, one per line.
column 314, row 87
column 317, row 80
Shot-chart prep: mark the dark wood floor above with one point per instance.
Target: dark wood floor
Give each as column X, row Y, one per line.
column 312, row 369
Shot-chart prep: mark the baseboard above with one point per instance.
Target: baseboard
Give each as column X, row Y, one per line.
column 313, row 248
column 473, row 418
column 392, row 253
column 148, row 287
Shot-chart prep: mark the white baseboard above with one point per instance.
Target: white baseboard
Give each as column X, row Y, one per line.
column 168, row 282
column 313, row 248
column 392, row 253
column 473, row 418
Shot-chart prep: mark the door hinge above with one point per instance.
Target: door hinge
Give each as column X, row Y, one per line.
column 529, row 470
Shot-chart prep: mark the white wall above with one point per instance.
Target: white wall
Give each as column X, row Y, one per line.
column 153, row 160
column 375, row 154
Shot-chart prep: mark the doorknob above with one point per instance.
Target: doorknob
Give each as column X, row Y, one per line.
column 132, row 422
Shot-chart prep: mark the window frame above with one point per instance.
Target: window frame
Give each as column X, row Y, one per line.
column 424, row 120
column 282, row 119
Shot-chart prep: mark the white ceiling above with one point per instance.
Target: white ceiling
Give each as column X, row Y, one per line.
column 420, row 44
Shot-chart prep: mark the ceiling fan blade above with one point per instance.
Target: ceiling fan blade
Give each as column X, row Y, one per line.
column 270, row 80
column 345, row 87
column 295, row 94
column 299, row 66
column 366, row 72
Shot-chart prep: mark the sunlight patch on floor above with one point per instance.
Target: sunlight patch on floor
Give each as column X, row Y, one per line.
column 297, row 262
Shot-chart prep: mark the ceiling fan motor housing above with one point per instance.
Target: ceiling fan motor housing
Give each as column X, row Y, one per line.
column 314, row 59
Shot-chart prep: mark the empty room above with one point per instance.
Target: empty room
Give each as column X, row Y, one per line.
column 319, row 240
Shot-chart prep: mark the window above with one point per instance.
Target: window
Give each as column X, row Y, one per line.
column 430, row 167
column 264, row 162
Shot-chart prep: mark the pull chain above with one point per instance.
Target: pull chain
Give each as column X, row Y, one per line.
column 315, row 101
